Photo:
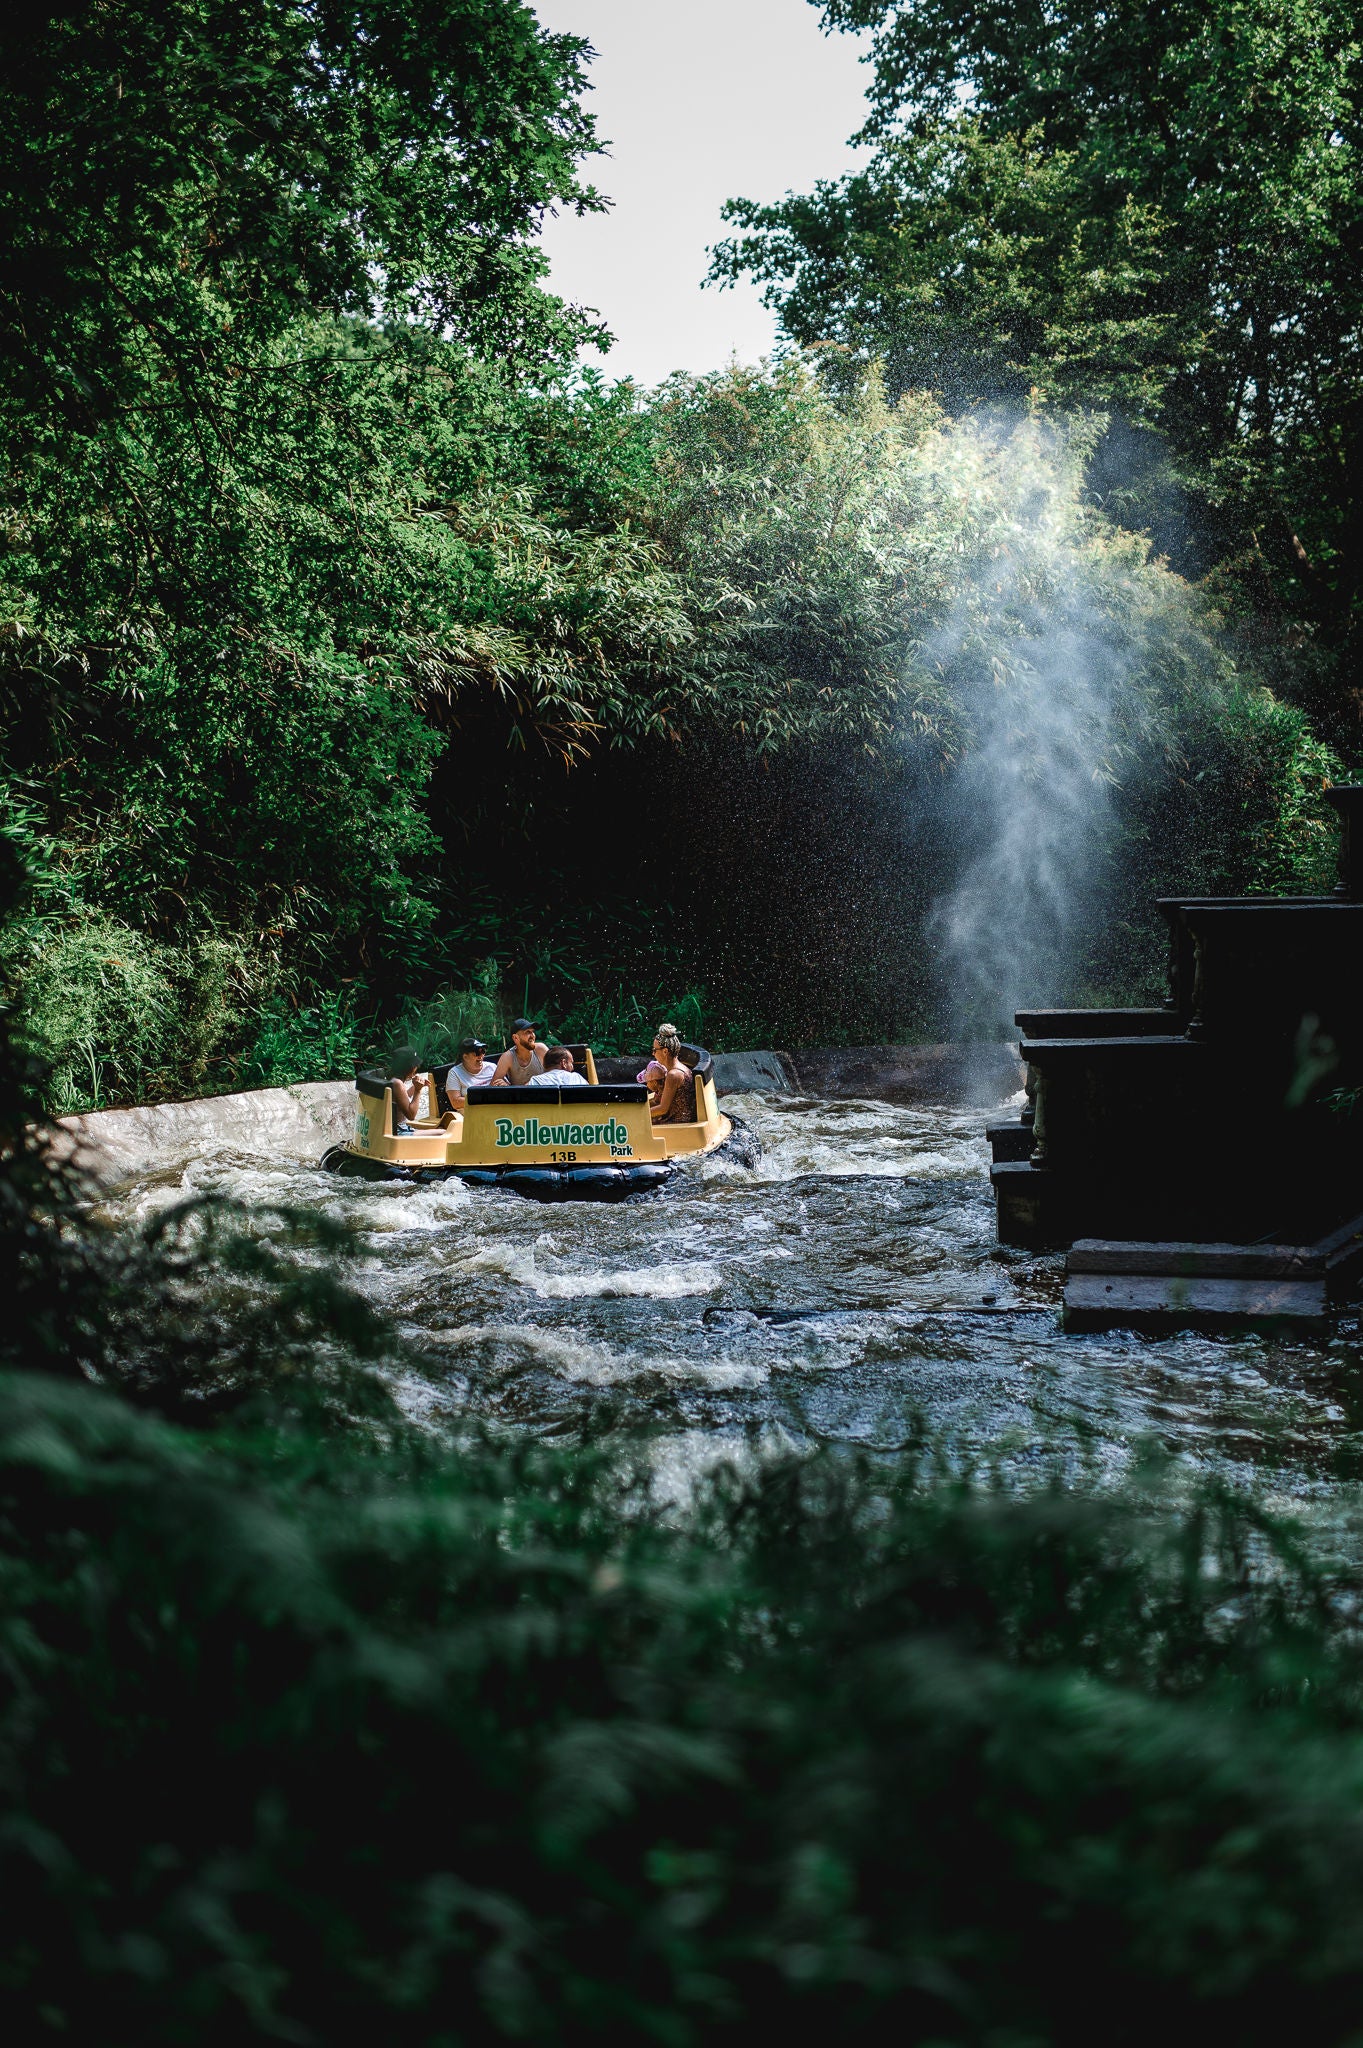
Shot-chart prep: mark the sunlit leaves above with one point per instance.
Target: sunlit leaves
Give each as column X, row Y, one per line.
column 1150, row 208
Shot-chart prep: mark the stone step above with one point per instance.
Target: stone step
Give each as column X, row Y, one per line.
column 1010, row 1140
column 1160, row 1302
column 1116, row 1050
column 1186, row 1260
column 1097, row 1023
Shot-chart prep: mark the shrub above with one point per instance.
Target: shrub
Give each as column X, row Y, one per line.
column 617, row 1020
column 302, row 1042
column 99, row 1006
column 437, row 1026
column 475, row 1747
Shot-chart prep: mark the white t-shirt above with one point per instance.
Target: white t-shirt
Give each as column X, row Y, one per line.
column 459, row 1080
column 558, row 1077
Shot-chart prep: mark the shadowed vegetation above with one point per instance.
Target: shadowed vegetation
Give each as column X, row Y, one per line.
column 314, row 1721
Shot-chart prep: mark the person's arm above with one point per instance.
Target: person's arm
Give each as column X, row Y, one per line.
column 500, row 1072
column 406, row 1095
column 668, row 1096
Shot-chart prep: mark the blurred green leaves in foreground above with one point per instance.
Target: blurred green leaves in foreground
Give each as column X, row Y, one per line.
column 302, row 1738
column 316, row 1725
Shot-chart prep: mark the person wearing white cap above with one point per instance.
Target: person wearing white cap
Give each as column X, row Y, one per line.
column 472, row 1069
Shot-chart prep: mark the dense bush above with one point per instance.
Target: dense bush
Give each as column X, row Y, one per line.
column 1042, row 696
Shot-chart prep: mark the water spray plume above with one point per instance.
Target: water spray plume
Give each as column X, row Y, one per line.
column 1044, row 670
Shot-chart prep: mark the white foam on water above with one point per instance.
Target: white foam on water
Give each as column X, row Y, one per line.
column 521, row 1264
column 429, row 1208
column 680, row 1462
column 657, row 1283
column 802, row 1138
column 853, row 1280
column 424, row 1401
column 504, row 1350
column 515, row 1262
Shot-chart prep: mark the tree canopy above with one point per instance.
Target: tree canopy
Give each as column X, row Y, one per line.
column 331, row 592
column 264, row 271
column 1151, row 209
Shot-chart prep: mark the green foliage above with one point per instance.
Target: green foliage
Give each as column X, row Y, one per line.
column 590, row 967
column 622, row 1021
column 801, row 529
column 114, row 1015
column 437, row 1026
column 803, row 574
column 578, row 1007
column 490, row 1739
column 1021, row 628
column 99, row 1007
column 204, row 1312
column 211, row 161
column 1251, row 814
column 314, row 1722
column 325, row 583
column 1150, row 209
column 302, row 1042
column 233, row 382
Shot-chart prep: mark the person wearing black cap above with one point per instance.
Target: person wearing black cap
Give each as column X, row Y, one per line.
column 523, row 1058
column 471, row 1070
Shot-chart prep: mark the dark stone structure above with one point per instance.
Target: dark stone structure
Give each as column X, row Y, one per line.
column 1218, row 1120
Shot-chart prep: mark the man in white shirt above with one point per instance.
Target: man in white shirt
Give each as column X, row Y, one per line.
column 558, row 1071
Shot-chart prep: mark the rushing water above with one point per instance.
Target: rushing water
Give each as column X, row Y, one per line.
column 850, row 1291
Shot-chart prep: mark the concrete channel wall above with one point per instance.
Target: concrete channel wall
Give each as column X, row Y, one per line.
column 277, row 1123
column 300, row 1122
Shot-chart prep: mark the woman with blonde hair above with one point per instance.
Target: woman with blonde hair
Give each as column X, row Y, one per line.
column 675, row 1101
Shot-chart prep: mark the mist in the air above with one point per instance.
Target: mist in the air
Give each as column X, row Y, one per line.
column 1045, row 673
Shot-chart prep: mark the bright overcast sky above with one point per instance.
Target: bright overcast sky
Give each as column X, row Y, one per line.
column 699, row 101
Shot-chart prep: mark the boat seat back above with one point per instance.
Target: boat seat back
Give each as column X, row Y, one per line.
column 611, row 1091
column 703, row 1067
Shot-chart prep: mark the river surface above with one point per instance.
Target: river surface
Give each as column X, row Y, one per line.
column 849, row 1291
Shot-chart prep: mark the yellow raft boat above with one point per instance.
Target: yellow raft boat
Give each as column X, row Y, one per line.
column 593, row 1143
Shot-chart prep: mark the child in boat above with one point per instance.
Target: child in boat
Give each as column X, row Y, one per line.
column 559, row 1071
column 652, row 1077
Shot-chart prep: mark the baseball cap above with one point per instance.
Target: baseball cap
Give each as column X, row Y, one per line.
column 471, row 1045
column 522, row 1024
